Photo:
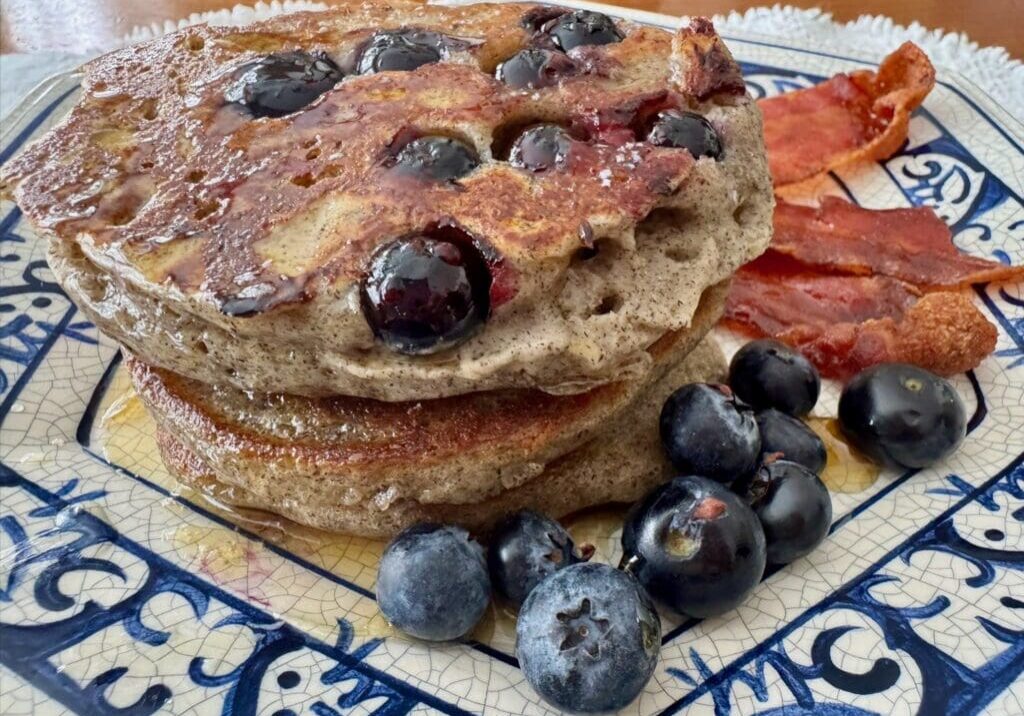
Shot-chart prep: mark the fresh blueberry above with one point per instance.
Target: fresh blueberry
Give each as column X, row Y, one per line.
column 525, row 548
column 901, row 414
column 782, row 433
column 582, row 27
column 422, row 295
column 438, row 158
column 432, row 582
column 400, row 50
column 695, row 545
column 588, row 638
column 705, row 431
column 540, row 148
column 685, row 130
column 533, row 68
column 794, row 507
column 280, row 84
column 769, row 374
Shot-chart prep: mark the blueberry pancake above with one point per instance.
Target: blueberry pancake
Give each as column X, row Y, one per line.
column 619, row 465
column 341, row 450
column 402, row 202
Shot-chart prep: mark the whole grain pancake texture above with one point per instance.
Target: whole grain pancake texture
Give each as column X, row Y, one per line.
column 356, row 451
column 619, row 465
column 231, row 248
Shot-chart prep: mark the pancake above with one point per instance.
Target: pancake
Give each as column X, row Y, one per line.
column 357, row 451
column 620, row 465
column 231, row 249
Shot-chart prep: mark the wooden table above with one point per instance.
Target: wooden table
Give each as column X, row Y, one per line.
column 89, row 26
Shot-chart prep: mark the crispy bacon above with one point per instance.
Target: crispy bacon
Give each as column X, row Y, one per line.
column 913, row 245
column 702, row 65
column 844, row 324
column 862, row 115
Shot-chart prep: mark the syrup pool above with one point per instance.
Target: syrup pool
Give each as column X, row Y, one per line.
column 847, row 470
column 125, row 435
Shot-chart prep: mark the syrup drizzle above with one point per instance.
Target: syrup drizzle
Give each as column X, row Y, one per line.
column 125, row 435
column 847, row 470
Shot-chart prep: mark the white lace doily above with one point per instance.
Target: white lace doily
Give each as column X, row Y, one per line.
column 871, row 37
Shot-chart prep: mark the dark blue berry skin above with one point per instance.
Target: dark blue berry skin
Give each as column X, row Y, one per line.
column 794, row 508
column 588, row 639
column 582, row 27
column 769, row 374
column 685, row 130
column 422, row 295
column 281, row 84
column 696, row 546
column 432, row 582
column 525, row 548
column 400, row 50
column 541, row 148
column 534, row 68
column 437, row 158
column 900, row 414
column 706, row 431
column 782, row 433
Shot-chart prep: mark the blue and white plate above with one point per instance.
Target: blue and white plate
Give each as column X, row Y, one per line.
column 124, row 593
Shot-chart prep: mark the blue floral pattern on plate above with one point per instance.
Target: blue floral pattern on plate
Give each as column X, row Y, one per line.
column 121, row 593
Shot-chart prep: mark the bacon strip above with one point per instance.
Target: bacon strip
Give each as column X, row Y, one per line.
column 860, row 116
column 913, row 245
column 844, row 324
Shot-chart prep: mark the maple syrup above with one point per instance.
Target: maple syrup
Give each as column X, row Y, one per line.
column 126, row 436
column 847, row 470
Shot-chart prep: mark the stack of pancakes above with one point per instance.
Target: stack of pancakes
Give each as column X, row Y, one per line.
column 225, row 254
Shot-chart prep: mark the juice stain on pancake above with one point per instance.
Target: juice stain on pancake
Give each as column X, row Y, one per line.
column 847, row 470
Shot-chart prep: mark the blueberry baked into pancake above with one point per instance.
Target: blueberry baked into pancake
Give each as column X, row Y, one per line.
column 389, row 262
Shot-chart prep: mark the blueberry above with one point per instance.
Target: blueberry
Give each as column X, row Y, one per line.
column 769, row 374
column 534, row 68
column 432, row 582
column 695, row 545
column 782, row 433
column 588, row 638
column 438, row 158
column 540, row 148
column 400, row 50
column 794, row 508
column 582, row 27
column 705, row 431
column 685, row 130
column 525, row 548
column 280, row 84
column 422, row 295
column 901, row 414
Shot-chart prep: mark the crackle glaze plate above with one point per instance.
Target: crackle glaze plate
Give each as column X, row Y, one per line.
column 123, row 593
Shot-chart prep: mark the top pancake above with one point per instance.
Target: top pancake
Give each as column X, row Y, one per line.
column 230, row 249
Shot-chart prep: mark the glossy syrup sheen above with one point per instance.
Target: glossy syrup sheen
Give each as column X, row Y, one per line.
column 148, row 152
column 847, row 470
column 125, row 435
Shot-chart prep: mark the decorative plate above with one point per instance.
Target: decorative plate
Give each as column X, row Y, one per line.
column 123, row 593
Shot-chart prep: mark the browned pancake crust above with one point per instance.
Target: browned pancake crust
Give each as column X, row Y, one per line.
column 448, row 450
column 231, row 249
column 619, row 465
column 155, row 168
